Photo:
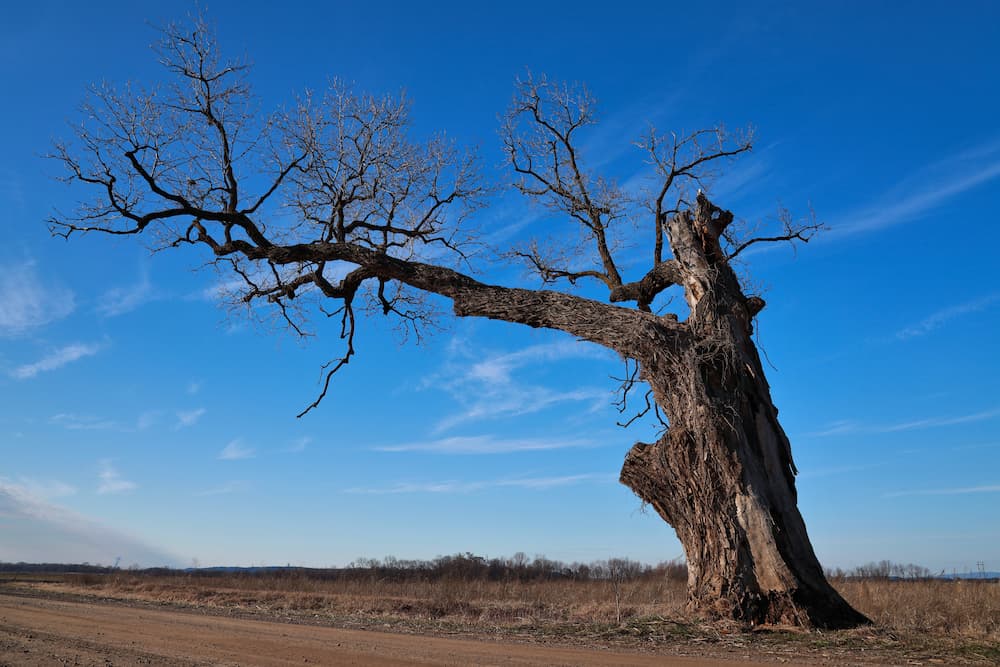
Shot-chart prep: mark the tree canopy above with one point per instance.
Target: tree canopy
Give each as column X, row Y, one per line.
column 332, row 207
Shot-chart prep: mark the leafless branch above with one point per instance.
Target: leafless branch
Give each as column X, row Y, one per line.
column 539, row 135
column 682, row 160
column 332, row 200
column 792, row 230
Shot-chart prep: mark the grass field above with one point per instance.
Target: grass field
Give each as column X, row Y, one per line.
column 922, row 622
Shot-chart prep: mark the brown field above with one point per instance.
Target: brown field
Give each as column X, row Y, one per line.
column 916, row 622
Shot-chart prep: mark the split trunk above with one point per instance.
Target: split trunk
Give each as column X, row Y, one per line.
column 722, row 475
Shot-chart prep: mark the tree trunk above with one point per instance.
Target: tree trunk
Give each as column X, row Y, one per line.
column 722, row 475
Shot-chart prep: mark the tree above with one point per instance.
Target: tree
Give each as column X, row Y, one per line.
column 333, row 203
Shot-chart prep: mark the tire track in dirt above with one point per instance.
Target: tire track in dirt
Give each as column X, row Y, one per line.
column 36, row 631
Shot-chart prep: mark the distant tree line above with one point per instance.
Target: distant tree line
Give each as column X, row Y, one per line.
column 470, row 567
column 519, row 567
column 883, row 569
column 56, row 568
column 457, row 567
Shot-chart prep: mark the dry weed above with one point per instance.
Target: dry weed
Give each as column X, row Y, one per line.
column 965, row 609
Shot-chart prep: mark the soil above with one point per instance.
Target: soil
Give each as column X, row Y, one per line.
column 36, row 631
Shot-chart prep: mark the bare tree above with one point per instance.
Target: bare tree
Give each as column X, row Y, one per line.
column 331, row 207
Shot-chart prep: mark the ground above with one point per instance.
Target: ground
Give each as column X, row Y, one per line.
column 55, row 624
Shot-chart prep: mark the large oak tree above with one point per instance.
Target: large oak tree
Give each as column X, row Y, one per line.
column 332, row 206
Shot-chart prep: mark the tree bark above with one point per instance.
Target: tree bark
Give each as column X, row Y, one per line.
column 722, row 475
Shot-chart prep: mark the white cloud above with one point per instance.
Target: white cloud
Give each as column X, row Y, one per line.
column 839, row 427
column 187, row 418
column 941, row 317
column 221, row 290
column 121, row 300
column 35, row 530
column 453, row 486
column 193, row 387
column 46, row 489
column 485, row 444
column 231, row 286
column 846, row 427
column 496, row 403
column 235, row 451
column 12, row 190
column 961, row 491
column 485, row 386
column 836, row 470
column 147, row 419
column 299, row 445
column 925, row 190
column 75, row 422
column 112, row 482
column 226, row 489
column 27, row 301
column 940, row 421
column 56, row 359
column 498, row 368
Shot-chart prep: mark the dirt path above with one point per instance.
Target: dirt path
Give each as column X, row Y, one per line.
column 35, row 632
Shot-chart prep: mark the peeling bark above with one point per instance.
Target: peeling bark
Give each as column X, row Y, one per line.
column 723, row 474
column 352, row 188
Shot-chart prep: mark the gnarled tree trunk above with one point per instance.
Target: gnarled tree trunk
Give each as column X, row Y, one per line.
column 361, row 193
column 722, row 475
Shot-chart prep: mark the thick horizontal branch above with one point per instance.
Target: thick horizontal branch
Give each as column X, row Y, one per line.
column 620, row 329
column 585, row 318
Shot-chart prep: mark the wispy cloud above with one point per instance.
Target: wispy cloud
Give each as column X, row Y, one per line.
column 924, row 191
column 12, row 190
column 978, row 445
column 27, row 301
column 453, row 486
column 960, row 491
column 838, row 427
column 36, row 530
column 73, row 421
column 111, row 481
column 56, row 359
column 220, row 290
column 847, row 427
column 226, row 489
column 193, row 387
column 932, row 422
column 121, row 300
column 527, row 400
column 507, row 218
column 837, row 470
column 236, row 450
column 47, row 489
column 298, row 445
column 76, row 422
column 230, row 286
column 748, row 173
column 147, row 419
column 485, row 444
column 498, row 368
column 486, row 388
column 187, row 418
column 942, row 317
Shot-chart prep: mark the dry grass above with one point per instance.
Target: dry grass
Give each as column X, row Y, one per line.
column 916, row 622
column 491, row 603
column 966, row 608
column 961, row 609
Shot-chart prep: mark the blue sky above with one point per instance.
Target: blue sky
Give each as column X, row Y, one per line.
column 140, row 419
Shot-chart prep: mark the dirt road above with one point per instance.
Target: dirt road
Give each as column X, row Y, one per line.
column 36, row 631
